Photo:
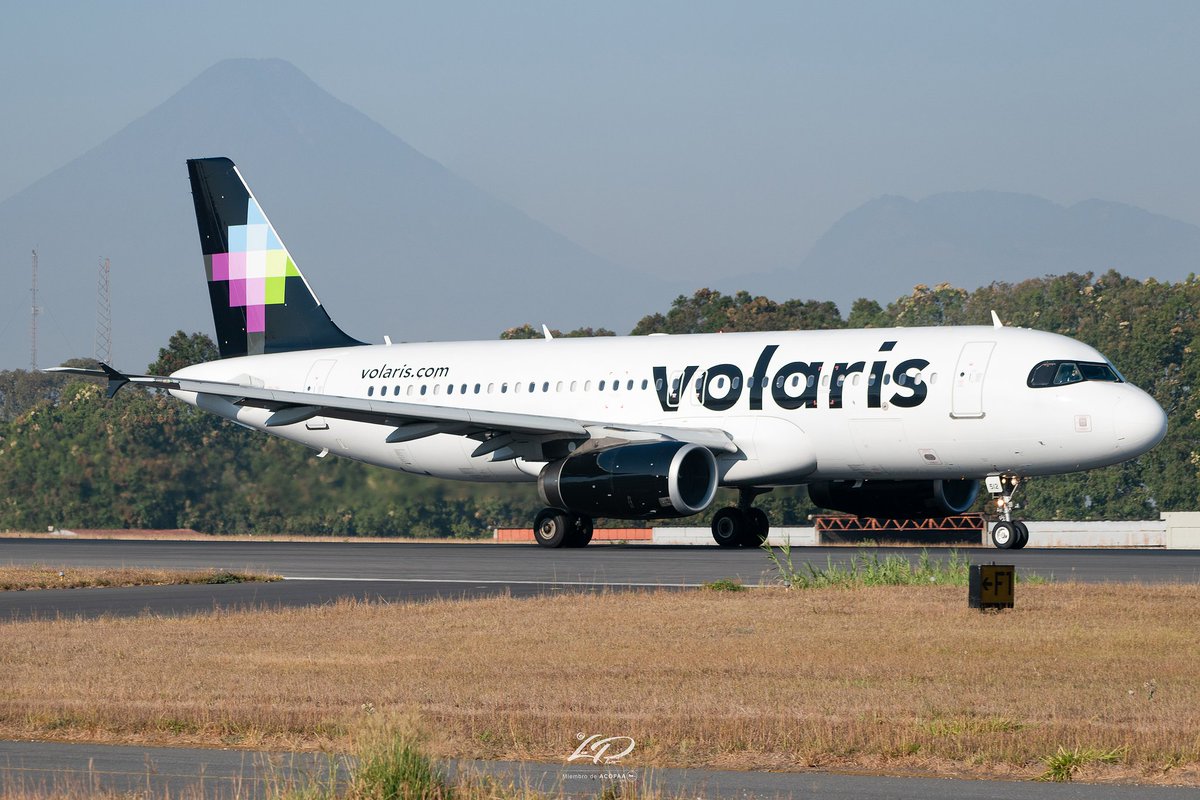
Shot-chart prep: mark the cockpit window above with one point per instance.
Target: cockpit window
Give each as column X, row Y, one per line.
column 1060, row 373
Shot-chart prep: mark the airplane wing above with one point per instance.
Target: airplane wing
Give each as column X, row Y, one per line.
column 504, row 434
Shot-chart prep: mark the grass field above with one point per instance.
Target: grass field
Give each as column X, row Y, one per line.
column 1093, row 682
column 20, row 578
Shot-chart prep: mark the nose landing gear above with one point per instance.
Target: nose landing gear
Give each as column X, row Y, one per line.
column 1007, row 534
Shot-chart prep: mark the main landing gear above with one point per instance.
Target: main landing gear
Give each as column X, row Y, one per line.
column 742, row 525
column 1008, row 533
column 554, row 527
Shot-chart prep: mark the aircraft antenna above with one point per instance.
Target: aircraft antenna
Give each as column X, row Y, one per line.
column 103, row 351
column 34, row 311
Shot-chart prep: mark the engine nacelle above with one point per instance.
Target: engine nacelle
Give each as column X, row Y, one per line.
column 632, row 481
column 896, row 499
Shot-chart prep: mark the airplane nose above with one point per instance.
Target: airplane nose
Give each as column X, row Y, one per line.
column 1140, row 422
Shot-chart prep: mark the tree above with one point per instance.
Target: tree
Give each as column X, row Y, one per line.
column 183, row 350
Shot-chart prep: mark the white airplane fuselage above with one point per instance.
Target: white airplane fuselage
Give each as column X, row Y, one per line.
column 891, row 404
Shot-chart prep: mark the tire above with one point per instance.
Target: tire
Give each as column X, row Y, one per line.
column 1022, row 535
column 551, row 527
column 728, row 526
column 1004, row 535
column 579, row 533
column 757, row 528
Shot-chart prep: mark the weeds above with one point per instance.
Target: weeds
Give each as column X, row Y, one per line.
column 725, row 585
column 867, row 568
column 18, row 578
column 1062, row 765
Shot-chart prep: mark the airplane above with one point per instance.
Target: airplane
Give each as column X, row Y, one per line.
column 881, row 422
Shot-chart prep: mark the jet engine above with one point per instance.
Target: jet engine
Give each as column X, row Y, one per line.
column 632, row 481
column 896, row 499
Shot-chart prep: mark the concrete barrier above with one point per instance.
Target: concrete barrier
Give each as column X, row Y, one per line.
column 1178, row 530
column 1117, row 533
column 796, row 537
column 1183, row 529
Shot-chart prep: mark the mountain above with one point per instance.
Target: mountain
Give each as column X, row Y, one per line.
column 970, row 239
column 392, row 242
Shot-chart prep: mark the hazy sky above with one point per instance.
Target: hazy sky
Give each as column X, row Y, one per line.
column 682, row 138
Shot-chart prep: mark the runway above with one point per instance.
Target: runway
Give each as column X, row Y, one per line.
column 159, row 771
column 320, row 572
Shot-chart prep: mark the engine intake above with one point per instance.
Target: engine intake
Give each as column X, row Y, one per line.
column 633, row 481
column 896, row 499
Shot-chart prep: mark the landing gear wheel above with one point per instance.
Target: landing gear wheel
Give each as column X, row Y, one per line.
column 552, row 527
column 1004, row 535
column 580, row 532
column 1022, row 535
column 757, row 528
column 728, row 526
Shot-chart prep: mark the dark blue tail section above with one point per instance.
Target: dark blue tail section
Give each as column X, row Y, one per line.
column 260, row 301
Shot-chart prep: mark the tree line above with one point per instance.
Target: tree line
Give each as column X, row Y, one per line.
column 68, row 458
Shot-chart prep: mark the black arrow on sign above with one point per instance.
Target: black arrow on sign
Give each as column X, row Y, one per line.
column 987, row 583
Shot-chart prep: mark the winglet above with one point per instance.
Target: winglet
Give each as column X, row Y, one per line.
column 996, row 323
column 546, row 332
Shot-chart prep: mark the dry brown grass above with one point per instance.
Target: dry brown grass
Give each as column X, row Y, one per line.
column 904, row 680
column 19, row 578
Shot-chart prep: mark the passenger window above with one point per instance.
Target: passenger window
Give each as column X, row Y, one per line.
column 464, row 389
column 410, row 390
column 629, row 386
column 658, row 384
column 854, row 380
column 422, row 390
column 573, row 384
column 558, row 387
column 532, row 387
column 477, row 388
column 383, row 391
column 546, row 386
column 587, row 386
column 370, row 391
column 645, row 384
column 602, row 386
column 437, row 388
column 396, row 391
column 450, row 389
column 504, row 388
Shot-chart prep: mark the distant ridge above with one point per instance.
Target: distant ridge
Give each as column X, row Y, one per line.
column 970, row 239
column 393, row 242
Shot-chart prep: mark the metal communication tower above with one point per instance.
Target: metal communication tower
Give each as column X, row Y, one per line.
column 34, row 311
column 103, row 352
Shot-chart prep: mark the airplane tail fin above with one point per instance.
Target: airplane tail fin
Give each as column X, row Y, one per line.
column 260, row 301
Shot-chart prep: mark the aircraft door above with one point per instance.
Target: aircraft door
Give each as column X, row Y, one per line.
column 966, row 397
column 314, row 382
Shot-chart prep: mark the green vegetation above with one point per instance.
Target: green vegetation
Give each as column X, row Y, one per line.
column 866, row 568
column 1063, row 764
column 70, row 459
column 725, row 585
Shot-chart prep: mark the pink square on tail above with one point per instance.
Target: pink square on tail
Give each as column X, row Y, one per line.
column 220, row 266
column 237, row 293
column 256, row 319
